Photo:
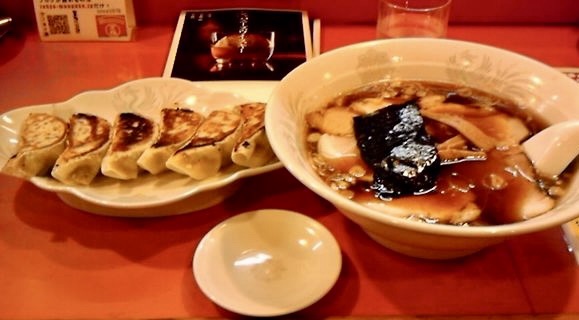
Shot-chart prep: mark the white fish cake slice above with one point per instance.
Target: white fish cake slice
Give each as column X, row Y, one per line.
column 210, row 149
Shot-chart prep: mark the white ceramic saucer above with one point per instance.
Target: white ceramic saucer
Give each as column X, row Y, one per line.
column 267, row 262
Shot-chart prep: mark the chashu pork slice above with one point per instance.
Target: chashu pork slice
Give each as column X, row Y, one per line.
column 178, row 126
column 252, row 148
column 132, row 135
column 210, row 149
column 87, row 142
column 42, row 139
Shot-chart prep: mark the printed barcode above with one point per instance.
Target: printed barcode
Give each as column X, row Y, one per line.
column 58, row 24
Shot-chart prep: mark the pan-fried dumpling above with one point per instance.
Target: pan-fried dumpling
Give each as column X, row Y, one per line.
column 177, row 127
column 210, row 148
column 42, row 139
column 87, row 143
column 252, row 148
column 132, row 134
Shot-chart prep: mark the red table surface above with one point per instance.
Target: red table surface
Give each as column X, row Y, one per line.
column 59, row 262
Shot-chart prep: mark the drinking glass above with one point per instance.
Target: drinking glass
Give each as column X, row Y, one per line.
column 412, row 18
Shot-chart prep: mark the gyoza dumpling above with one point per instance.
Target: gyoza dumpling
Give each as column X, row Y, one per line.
column 132, row 134
column 177, row 127
column 42, row 139
column 210, row 148
column 87, row 142
column 252, row 147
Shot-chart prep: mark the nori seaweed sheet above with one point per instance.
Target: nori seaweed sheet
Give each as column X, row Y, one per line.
column 394, row 142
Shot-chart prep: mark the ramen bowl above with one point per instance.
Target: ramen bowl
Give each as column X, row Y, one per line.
column 529, row 83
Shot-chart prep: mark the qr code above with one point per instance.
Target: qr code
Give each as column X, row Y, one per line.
column 58, row 24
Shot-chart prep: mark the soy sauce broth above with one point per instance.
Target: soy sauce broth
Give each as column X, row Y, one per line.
column 495, row 190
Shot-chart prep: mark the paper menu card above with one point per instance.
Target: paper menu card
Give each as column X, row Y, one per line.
column 85, row 20
column 238, row 44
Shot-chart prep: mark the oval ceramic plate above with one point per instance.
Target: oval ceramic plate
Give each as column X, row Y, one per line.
column 149, row 195
column 267, row 262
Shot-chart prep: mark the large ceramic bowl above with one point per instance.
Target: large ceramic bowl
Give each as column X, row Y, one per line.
column 523, row 80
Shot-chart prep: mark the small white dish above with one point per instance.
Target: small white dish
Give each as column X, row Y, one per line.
column 167, row 193
column 267, row 262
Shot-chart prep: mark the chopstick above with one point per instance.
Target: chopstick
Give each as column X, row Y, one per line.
column 316, row 37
